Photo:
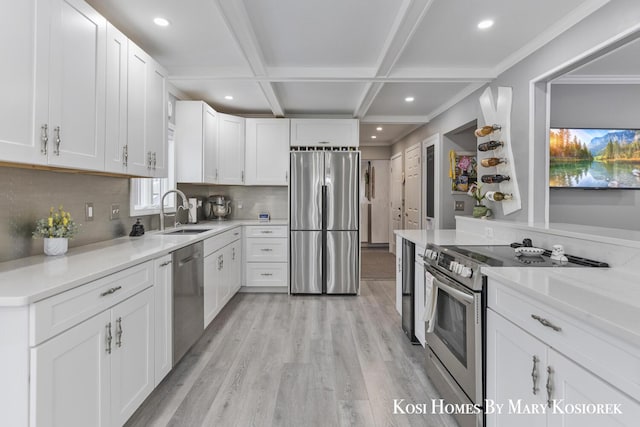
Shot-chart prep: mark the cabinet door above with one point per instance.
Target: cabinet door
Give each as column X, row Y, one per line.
column 324, row 133
column 212, row 281
column 223, row 287
column 210, row 151
column 77, row 85
column 163, row 325
column 138, row 64
column 132, row 358
column 419, row 302
column 236, row 266
column 116, row 156
column 267, row 152
column 231, row 149
column 573, row 387
column 24, row 32
column 516, row 371
column 70, row 377
column 156, row 121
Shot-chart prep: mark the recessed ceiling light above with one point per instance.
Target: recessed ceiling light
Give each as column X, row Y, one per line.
column 161, row 22
column 487, row 23
column 373, row 137
column 379, row 128
column 409, row 99
column 229, row 97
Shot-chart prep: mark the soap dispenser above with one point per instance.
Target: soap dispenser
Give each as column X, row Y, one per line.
column 137, row 229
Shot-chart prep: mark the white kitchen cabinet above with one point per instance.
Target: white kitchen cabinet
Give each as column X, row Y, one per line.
column 116, row 149
column 267, row 152
column 133, row 354
column 231, row 131
column 212, row 280
column 70, row 377
column 146, row 113
column 163, row 326
column 419, row 297
column 197, row 139
column 265, row 255
column 56, row 49
column 325, row 133
column 235, row 274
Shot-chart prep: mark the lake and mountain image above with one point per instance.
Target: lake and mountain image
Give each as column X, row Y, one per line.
column 595, row 158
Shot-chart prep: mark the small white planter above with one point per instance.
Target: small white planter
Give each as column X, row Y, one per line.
column 56, row 245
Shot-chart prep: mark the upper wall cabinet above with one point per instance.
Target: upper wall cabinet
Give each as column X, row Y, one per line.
column 197, row 143
column 231, row 149
column 116, row 148
column 324, row 133
column 267, row 152
column 57, row 55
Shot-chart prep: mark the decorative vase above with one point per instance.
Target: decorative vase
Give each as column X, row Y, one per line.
column 480, row 211
column 56, row 245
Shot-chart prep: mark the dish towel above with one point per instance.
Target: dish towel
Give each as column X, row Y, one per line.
column 430, row 301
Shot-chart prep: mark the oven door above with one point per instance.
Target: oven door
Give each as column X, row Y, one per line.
column 454, row 332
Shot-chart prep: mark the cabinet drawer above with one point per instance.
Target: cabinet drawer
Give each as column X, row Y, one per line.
column 221, row 240
column 266, row 231
column 266, row 250
column 53, row 315
column 609, row 358
column 266, row 274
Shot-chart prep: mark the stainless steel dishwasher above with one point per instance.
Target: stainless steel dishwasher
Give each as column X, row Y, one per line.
column 188, row 298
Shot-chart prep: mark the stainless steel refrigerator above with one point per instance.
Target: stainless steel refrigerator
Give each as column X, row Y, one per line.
column 324, row 222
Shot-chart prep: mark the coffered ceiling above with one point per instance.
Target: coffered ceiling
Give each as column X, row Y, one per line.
column 350, row 58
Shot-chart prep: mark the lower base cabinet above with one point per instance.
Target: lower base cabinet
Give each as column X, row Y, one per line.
column 222, row 272
column 98, row 372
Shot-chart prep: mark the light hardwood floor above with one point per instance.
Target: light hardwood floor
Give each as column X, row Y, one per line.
column 276, row 360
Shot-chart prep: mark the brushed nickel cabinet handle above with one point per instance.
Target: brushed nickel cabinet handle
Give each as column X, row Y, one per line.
column 266, row 250
column 56, row 150
column 164, row 264
column 125, row 155
column 242, row 176
column 44, row 137
column 534, row 375
column 546, row 323
column 549, row 386
column 266, row 274
column 324, row 142
column 148, row 159
column 155, row 160
column 119, row 332
column 109, row 338
column 267, row 232
column 110, row 291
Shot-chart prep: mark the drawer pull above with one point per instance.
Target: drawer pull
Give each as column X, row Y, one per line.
column 164, row 264
column 109, row 338
column 546, row 323
column 266, row 250
column 237, row 233
column 267, row 232
column 534, row 375
column 549, row 386
column 266, row 274
column 110, row 291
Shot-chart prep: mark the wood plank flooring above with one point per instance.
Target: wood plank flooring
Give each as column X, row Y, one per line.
column 276, row 360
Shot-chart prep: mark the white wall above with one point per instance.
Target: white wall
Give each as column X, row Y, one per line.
column 606, row 23
column 375, row 153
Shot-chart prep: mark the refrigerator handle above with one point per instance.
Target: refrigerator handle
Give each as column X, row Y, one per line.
column 324, row 207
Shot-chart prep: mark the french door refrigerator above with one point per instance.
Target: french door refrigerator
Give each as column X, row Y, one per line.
column 324, row 222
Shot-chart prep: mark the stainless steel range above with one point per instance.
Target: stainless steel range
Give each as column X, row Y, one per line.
column 456, row 316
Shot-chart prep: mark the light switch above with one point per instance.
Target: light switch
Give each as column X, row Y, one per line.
column 115, row 212
column 88, row 211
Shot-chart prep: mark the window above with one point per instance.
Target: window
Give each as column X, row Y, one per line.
column 146, row 192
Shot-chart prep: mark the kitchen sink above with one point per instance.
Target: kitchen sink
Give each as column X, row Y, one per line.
column 188, row 231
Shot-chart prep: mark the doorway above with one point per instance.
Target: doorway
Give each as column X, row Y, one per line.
column 374, row 206
column 395, row 199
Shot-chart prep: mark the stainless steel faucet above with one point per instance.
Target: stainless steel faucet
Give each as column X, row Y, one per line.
column 184, row 206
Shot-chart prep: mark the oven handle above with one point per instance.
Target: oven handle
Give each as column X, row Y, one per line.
column 440, row 282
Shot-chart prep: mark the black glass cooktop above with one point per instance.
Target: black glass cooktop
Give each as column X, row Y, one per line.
column 505, row 256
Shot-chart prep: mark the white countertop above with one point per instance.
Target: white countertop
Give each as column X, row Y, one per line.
column 605, row 298
column 446, row 237
column 27, row 280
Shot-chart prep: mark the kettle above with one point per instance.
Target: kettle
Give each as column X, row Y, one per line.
column 217, row 207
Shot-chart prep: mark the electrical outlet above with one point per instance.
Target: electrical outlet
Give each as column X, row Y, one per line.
column 88, row 211
column 488, row 232
column 459, row 205
column 115, row 212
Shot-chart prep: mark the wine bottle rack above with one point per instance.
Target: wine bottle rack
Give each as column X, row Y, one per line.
column 500, row 113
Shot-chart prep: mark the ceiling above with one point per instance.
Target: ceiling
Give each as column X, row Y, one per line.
column 618, row 66
column 355, row 58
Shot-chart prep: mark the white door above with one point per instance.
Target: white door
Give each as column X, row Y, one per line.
column 412, row 193
column 116, row 157
column 516, row 370
column 380, row 201
column 77, row 85
column 70, row 376
column 573, row 385
column 163, row 326
column 137, row 135
column 212, row 267
column 267, row 152
column 210, row 136
column 156, row 119
column 395, row 205
column 231, row 149
column 431, row 182
column 132, row 358
column 24, row 32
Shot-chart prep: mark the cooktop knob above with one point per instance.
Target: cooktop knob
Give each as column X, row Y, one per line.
column 466, row 272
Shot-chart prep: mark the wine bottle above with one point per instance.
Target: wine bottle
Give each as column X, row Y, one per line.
column 497, row 196
column 492, row 161
column 495, row 179
column 486, row 130
column 490, row 145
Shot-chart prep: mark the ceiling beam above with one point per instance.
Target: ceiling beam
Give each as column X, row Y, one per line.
column 395, row 119
column 236, row 18
column 407, row 20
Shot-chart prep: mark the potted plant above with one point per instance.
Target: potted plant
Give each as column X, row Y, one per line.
column 479, row 210
column 56, row 230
